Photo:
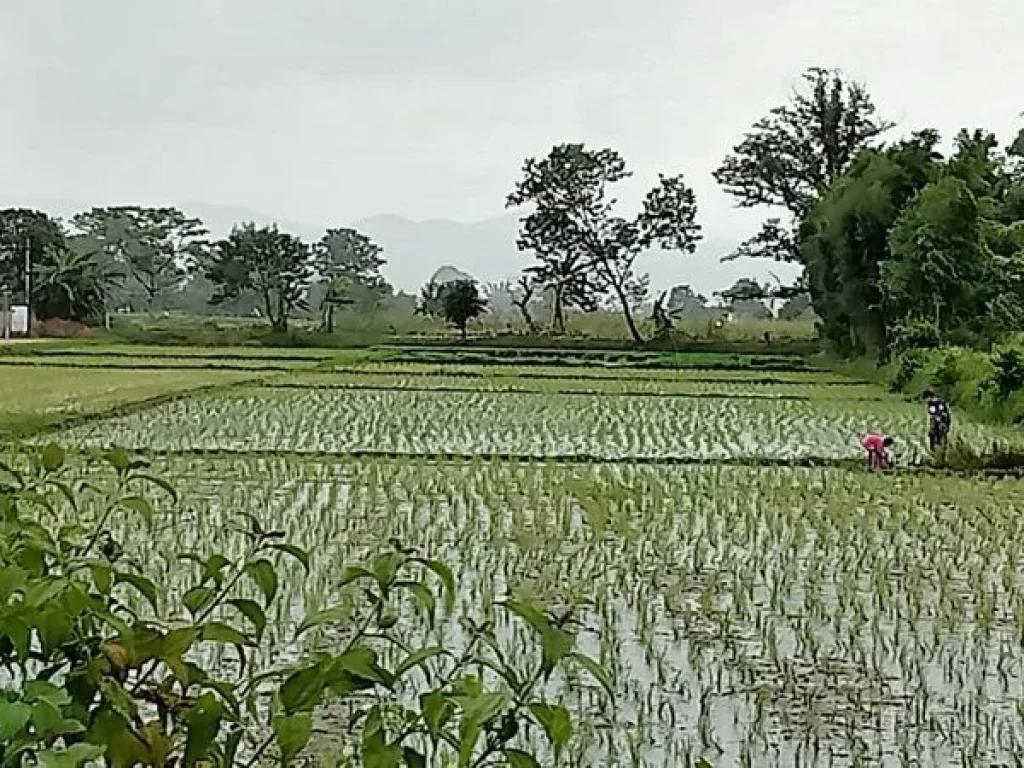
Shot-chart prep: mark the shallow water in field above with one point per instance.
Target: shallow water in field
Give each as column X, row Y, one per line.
column 752, row 616
column 417, row 422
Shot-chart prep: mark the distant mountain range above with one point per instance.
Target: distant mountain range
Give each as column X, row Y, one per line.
column 485, row 249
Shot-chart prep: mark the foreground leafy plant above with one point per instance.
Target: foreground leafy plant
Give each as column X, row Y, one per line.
column 100, row 666
column 438, row 706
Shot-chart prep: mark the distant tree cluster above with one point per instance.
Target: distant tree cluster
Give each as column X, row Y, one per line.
column 159, row 258
column 900, row 244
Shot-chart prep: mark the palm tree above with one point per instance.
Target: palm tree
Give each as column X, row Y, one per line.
column 74, row 284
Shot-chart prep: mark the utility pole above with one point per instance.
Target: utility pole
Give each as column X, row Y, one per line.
column 28, row 287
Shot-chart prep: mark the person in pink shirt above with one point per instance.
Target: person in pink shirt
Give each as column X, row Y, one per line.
column 877, row 447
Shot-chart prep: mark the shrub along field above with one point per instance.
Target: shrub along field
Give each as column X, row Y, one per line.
column 755, row 596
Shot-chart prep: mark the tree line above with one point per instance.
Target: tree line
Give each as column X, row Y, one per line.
column 900, row 245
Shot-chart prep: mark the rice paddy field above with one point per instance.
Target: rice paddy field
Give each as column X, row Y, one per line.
column 758, row 596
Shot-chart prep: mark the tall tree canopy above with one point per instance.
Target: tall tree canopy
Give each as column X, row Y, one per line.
column 789, row 158
column 274, row 265
column 25, row 232
column 460, row 302
column 584, row 249
column 844, row 240
column 908, row 248
column 74, row 284
column 350, row 254
column 158, row 247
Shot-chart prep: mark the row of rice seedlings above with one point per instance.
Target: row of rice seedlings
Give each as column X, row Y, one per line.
column 708, row 385
column 590, row 372
column 751, row 616
column 253, row 419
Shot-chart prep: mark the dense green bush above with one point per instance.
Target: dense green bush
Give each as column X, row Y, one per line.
column 987, row 385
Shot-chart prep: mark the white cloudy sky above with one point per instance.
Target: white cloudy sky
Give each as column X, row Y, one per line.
column 327, row 110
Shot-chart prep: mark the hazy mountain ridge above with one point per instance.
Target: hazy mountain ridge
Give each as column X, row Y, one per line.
column 485, row 249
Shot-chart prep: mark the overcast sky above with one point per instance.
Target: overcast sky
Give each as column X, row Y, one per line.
column 331, row 110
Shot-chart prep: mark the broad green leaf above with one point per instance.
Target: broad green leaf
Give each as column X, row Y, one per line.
column 42, row 592
column 179, row 641
column 197, row 598
column 252, row 611
column 486, row 707
column 145, row 587
column 141, row 506
column 157, row 742
column 119, row 459
column 219, row 632
column 263, row 573
column 425, row 599
column 377, row 754
column 297, row 552
column 12, row 579
column 354, row 573
column 43, row 690
column 103, row 578
column 469, row 735
column 46, row 718
column 417, row 658
column 386, row 566
column 203, row 720
column 556, row 644
column 13, row 717
column 118, row 699
column 437, row 711
column 74, row 756
column 556, row 722
column 518, row 759
column 52, row 457
column 335, row 614
column 444, row 573
column 213, row 567
column 292, row 734
column 303, row 689
column 362, row 663
column 596, row 671
column 528, row 613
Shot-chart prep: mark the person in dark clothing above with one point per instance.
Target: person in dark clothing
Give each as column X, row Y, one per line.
column 939, row 420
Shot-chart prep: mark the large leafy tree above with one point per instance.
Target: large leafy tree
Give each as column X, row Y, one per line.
column 74, row 283
column 349, row 254
column 792, row 156
column 584, row 248
column 26, row 236
column 461, row 302
column 940, row 270
column 276, row 266
column 348, row 266
column 158, row 247
column 845, row 239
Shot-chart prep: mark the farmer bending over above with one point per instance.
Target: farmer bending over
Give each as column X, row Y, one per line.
column 939, row 420
column 877, row 447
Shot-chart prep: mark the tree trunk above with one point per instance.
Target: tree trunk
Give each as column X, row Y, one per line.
column 627, row 314
column 268, row 305
column 525, row 312
column 557, row 312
